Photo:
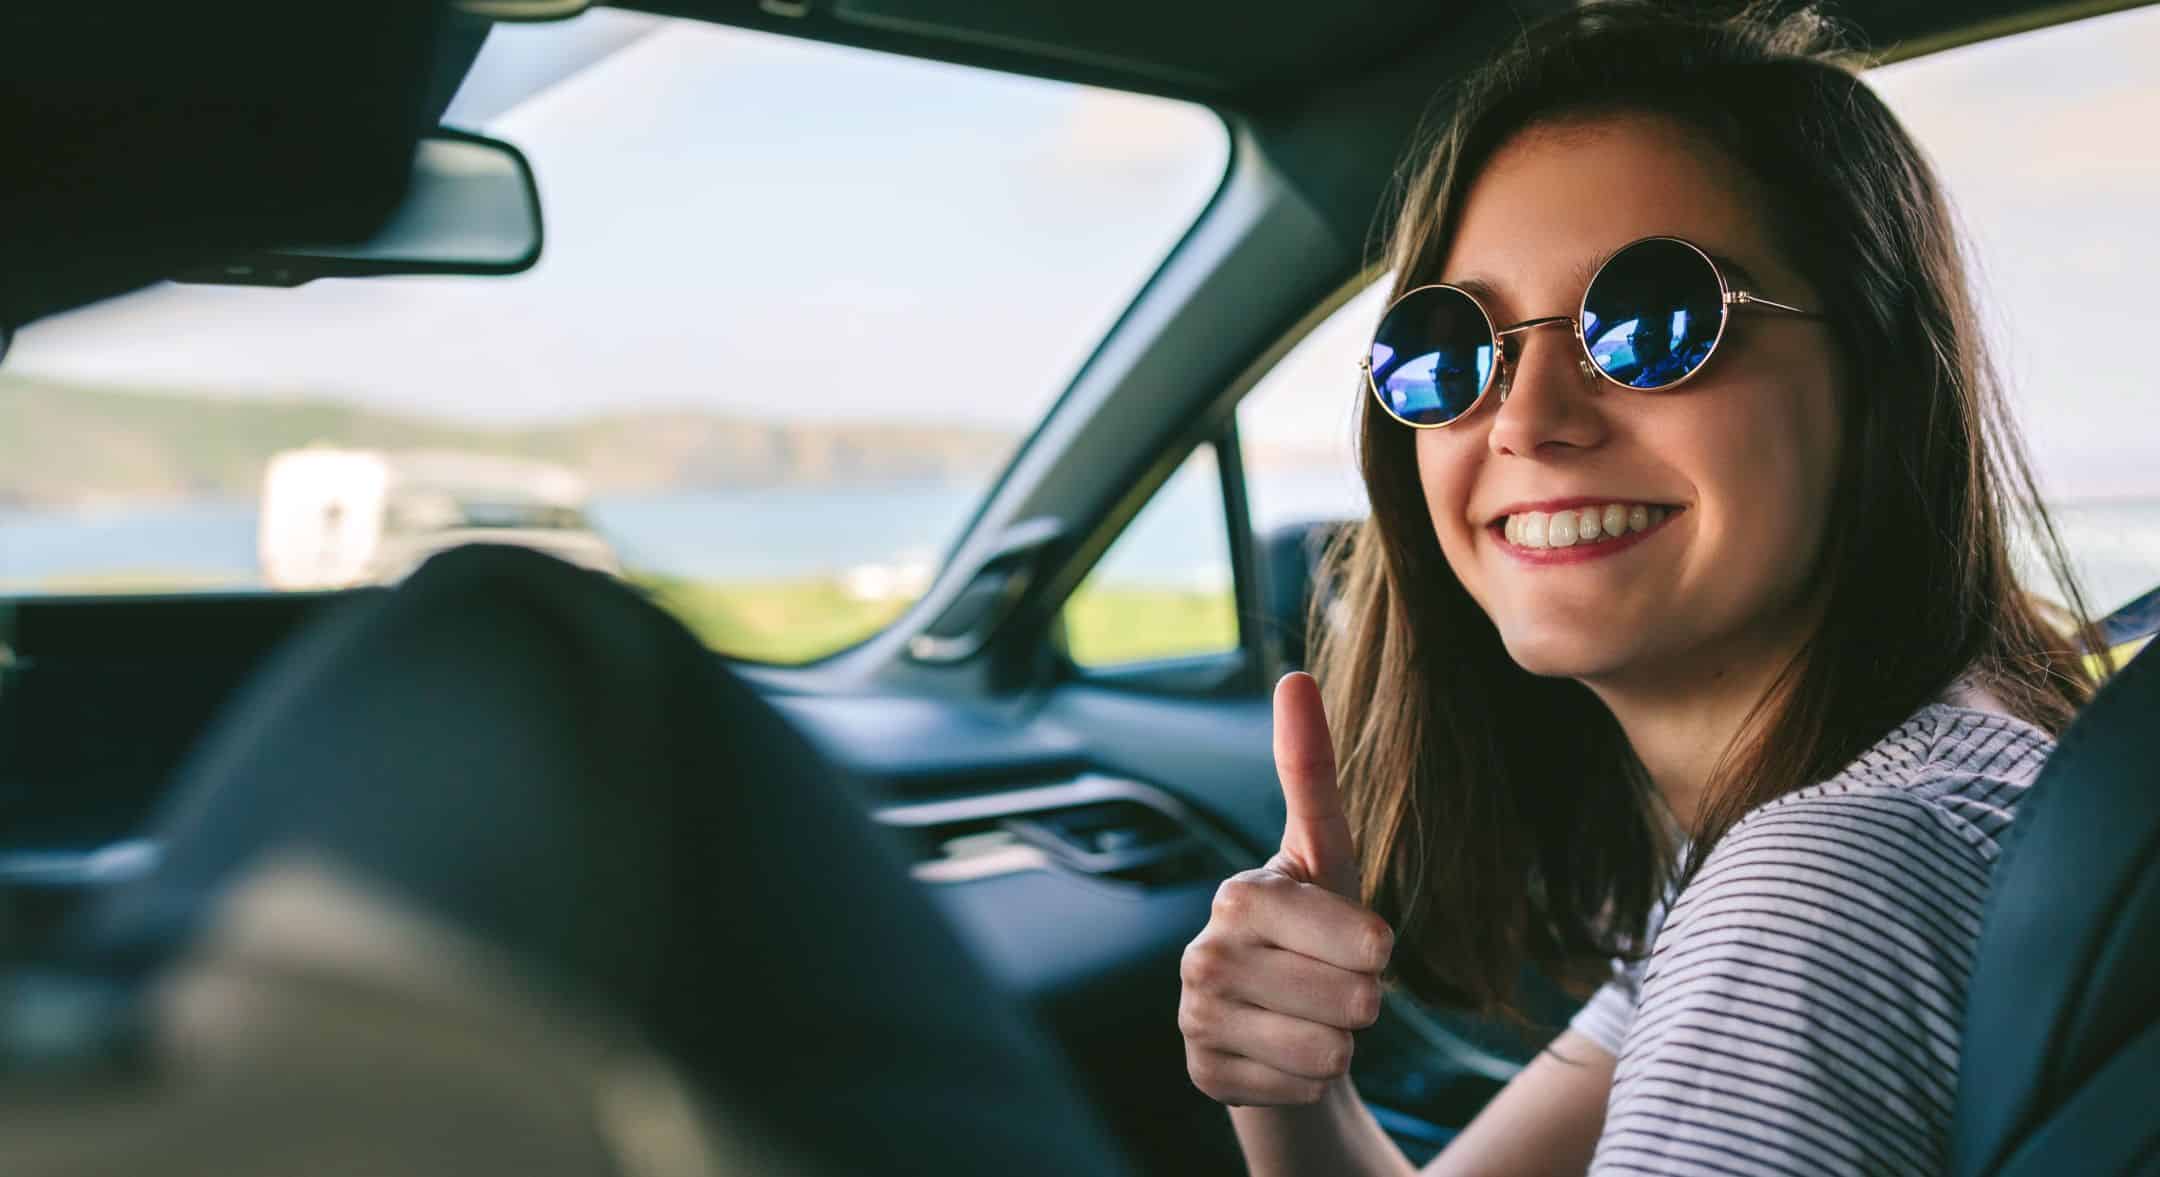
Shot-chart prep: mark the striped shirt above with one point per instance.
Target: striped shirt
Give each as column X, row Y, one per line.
column 1800, row 1009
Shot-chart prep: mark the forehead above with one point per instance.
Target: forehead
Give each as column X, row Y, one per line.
column 1557, row 199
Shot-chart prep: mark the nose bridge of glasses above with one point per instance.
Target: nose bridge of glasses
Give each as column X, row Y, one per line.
column 1534, row 324
column 1511, row 349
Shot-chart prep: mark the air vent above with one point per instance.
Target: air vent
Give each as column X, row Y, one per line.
column 1114, row 839
column 1097, row 826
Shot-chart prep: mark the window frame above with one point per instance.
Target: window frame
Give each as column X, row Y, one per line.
column 1242, row 668
column 1253, row 666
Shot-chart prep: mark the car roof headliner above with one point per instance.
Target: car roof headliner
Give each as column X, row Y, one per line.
column 1244, row 53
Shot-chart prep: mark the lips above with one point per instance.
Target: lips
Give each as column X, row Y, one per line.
column 1563, row 530
column 1591, row 523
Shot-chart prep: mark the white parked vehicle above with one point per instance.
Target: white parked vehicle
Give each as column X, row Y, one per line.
column 335, row 518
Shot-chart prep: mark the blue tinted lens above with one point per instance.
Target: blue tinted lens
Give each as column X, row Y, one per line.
column 1432, row 356
column 1653, row 313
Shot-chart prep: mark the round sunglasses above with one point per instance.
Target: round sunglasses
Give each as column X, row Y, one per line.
column 1651, row 317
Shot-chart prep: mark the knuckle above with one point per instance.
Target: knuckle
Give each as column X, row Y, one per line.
column 1335, row 1055
column 1364, row 1003
column 1379, row 942
column 1195, row 1020
column 1203, row 966
column 1234, row 900
column 1200, row 1067
column 1205, row 1069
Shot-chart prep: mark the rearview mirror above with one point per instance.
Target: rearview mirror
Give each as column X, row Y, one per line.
column 472, row 208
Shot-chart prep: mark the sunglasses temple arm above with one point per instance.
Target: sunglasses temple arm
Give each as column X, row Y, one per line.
column 1743, row 298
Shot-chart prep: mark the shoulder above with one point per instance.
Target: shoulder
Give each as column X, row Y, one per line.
column 1856, row 902
column 1806, row 990
column 1950, row 776
column 1899, row 843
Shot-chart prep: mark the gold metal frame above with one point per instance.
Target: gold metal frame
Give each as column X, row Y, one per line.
column 1727, row 298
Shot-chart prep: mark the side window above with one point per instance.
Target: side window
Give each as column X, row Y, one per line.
column 1163, row 589
column 1295, row 426
column 2064, row 243
column 1301, row 480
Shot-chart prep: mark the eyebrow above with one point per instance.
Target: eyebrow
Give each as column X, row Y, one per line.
column 1488, row 294
column 1736, row 273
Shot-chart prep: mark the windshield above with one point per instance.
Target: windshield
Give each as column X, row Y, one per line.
column 797, row 307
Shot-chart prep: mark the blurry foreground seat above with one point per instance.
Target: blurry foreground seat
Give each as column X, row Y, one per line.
column 2061, row 1066
column 317, row 1027
column 618, row 845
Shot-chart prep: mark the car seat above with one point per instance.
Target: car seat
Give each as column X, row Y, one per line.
column 2061, row 1065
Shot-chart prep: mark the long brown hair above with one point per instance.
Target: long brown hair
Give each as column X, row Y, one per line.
column 1486, row 843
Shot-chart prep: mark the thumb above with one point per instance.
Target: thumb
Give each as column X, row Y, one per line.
column 1316, row 834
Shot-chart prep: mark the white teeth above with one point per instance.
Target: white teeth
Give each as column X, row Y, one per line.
column 1583, row 525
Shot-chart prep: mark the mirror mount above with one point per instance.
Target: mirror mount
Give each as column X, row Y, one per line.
column 472, row 207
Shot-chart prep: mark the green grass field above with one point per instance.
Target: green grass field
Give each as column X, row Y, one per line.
column 800, row 620
column 794, row 621
column 1108, row 625
column 785, row 621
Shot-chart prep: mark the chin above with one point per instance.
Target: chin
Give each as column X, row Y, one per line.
column 1565, row 653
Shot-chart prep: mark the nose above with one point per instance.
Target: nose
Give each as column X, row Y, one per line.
column 1551, row 396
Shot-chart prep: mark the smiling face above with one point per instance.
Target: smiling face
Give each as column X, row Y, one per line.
column 1723, row 483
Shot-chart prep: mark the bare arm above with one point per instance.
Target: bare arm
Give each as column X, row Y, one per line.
column 1544, row 1122
column 1335, row 1136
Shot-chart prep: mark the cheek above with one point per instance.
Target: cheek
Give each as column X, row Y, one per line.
column 1767, row 484
column 1447, row 462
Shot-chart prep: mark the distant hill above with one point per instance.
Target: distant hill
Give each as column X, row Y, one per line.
column 64, row 444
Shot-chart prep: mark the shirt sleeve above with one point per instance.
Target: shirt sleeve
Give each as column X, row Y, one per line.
column 1800, row 1012
column 1604, row 1018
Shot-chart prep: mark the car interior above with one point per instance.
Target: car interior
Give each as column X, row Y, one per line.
column 1072, row 820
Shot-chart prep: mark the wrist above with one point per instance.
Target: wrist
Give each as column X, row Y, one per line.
column 1340, row 1095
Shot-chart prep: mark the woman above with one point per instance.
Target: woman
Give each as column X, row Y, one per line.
column 1687, row 579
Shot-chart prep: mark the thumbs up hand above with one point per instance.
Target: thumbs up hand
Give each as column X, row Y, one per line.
column 1289, row 963
column 1316, row 836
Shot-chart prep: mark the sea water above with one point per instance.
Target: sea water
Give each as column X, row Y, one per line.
column 783, row 534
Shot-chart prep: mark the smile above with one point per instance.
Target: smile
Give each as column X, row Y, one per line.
column 1579, row 531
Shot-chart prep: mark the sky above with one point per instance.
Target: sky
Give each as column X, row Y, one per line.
column 760, row 225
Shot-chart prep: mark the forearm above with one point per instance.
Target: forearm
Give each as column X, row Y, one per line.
column 1336, row 1136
